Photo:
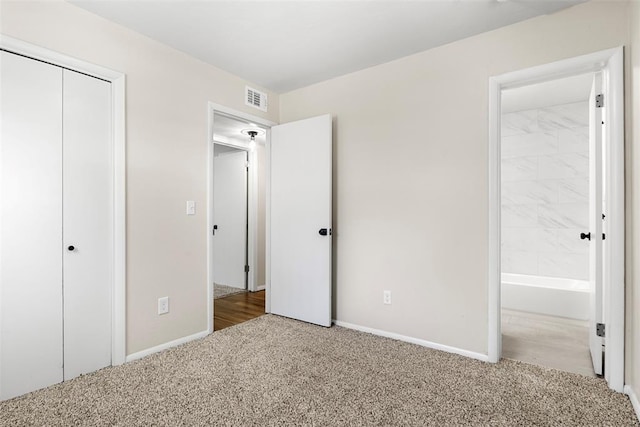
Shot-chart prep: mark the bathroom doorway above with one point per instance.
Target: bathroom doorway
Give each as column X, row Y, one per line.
column 544, row 151
column 556, row 216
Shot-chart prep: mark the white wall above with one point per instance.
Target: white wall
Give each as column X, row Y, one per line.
column 414, row 219
column 545, row 191
column 166, row 112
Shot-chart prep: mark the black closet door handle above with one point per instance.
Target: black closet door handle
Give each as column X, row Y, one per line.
column 71, row 248
column 585, row 236
column 324, row 231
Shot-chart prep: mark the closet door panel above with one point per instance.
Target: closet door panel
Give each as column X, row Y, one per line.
column 31, row 342
column 87, row 205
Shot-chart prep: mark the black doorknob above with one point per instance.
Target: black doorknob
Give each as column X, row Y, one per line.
column 324, row 231
column 585, row 236
column 71, row 248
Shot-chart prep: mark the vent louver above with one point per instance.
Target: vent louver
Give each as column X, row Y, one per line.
column 255, row 98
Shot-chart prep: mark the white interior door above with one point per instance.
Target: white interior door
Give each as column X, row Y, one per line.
column 30, row 225
column 300, row 208
column 87, row 224
column 595, row 224
column 230, row 218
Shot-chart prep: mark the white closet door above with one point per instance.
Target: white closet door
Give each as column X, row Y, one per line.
column 30, row 219
column 87, row 201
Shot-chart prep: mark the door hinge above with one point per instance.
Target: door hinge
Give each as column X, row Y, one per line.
column 246, row 268
column 600, row 100
column 600, row 329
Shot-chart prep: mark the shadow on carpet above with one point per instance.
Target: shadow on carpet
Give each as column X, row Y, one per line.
column 277, row 371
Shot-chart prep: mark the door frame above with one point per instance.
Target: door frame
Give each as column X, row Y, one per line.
column 611, row 63
column 252, row 179
column 118, row 173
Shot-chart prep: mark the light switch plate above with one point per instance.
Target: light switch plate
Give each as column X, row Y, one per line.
column 191, row 207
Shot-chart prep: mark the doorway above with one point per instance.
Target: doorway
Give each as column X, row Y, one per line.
column 230, row 213
column 545, row 198
column 551, row 270
column 236, row 218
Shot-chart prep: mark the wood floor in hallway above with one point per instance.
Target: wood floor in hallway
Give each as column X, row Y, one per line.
column 553, row 342
column 237, row 308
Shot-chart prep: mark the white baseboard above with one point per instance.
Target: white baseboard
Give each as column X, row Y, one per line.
column 424, row 343
column 633, row 397
column 261, row 288
column 149, row 351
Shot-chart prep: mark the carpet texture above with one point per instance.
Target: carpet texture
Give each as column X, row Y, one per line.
column 221, row 291
column 274, row 371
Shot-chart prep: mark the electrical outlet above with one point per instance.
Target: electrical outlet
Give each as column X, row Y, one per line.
column 163, row 305
column 386, row 297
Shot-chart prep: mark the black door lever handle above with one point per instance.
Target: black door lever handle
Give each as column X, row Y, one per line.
column 324, row 231
column 585, row 236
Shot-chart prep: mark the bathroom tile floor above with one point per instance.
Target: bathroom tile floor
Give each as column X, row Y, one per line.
column 549, row 341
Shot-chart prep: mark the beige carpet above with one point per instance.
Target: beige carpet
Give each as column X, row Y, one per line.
column 221, row 291
column 275, row 371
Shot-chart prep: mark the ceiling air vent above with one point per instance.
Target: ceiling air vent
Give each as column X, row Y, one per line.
column 255, row 98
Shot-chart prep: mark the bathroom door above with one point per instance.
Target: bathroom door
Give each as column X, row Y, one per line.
column 300, row 220
column 595, row 224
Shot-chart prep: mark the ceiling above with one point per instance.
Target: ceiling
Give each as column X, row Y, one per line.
column 231, row 129
column 285, row 45
column 555, row 92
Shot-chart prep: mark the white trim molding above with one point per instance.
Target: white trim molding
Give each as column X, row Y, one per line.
column 117, row 79
column 633, row 397
column 610, row 62
column 165, row 346
column 417, row 341
column 212, row 139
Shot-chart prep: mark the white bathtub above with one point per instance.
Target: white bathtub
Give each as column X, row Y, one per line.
column 546, row 295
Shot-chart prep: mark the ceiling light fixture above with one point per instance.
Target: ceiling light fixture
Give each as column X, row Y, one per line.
column 252, row 133
column 252, row 136
column 255, row 131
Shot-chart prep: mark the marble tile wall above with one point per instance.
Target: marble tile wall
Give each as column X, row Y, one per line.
column 545, row 191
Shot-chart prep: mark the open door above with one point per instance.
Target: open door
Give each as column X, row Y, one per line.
column 300, row 220
column 595, row 224
column 230, row 219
